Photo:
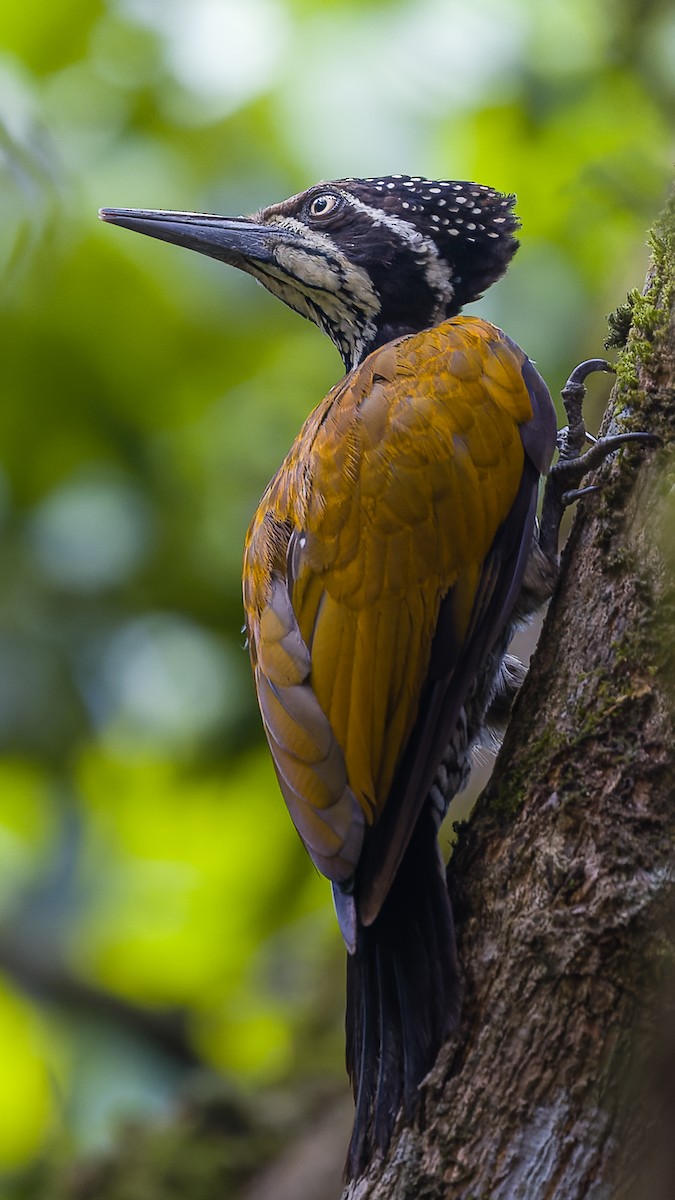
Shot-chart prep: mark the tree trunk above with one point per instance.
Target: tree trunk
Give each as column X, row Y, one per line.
column 561, row 881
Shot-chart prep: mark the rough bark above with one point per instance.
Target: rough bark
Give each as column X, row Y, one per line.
column 562, row 879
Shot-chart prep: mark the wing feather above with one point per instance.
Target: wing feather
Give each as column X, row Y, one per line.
column 397, row 529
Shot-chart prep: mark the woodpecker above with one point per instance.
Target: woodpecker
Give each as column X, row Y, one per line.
column 385, row 569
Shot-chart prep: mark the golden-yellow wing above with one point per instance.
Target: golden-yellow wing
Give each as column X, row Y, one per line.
column 373, row 579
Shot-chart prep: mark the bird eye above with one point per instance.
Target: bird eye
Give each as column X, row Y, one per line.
column 322, row 205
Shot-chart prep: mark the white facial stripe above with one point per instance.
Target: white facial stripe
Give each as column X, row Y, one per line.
column 357, row 280
column 310, row 237
column 405, row 230
column 311, row 269
column 325, row 287
column 437, row 272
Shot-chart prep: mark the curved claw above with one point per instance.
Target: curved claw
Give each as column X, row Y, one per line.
column 564, row 479
column 573, row 470
column 577, row 493
column 581, row 372
column 572, row 438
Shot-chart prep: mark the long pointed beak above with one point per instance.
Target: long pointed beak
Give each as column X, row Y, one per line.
column 238, row 241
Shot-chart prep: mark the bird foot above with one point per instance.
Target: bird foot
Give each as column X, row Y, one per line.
column 565, row 477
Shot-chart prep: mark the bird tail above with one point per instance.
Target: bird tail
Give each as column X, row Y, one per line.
column 403, row 995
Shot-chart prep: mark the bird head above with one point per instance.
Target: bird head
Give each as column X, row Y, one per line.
column 367, row 260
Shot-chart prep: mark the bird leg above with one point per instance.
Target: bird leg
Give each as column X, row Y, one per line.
column 562, row 484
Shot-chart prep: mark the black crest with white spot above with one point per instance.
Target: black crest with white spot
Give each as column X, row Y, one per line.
column 471, row 225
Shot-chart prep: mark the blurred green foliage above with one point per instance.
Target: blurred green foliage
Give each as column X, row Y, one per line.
column 148, row 395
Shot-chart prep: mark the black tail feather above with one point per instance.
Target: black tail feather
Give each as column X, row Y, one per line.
column 403, row 995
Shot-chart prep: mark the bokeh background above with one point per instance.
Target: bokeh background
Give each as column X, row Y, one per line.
column 156, row 909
